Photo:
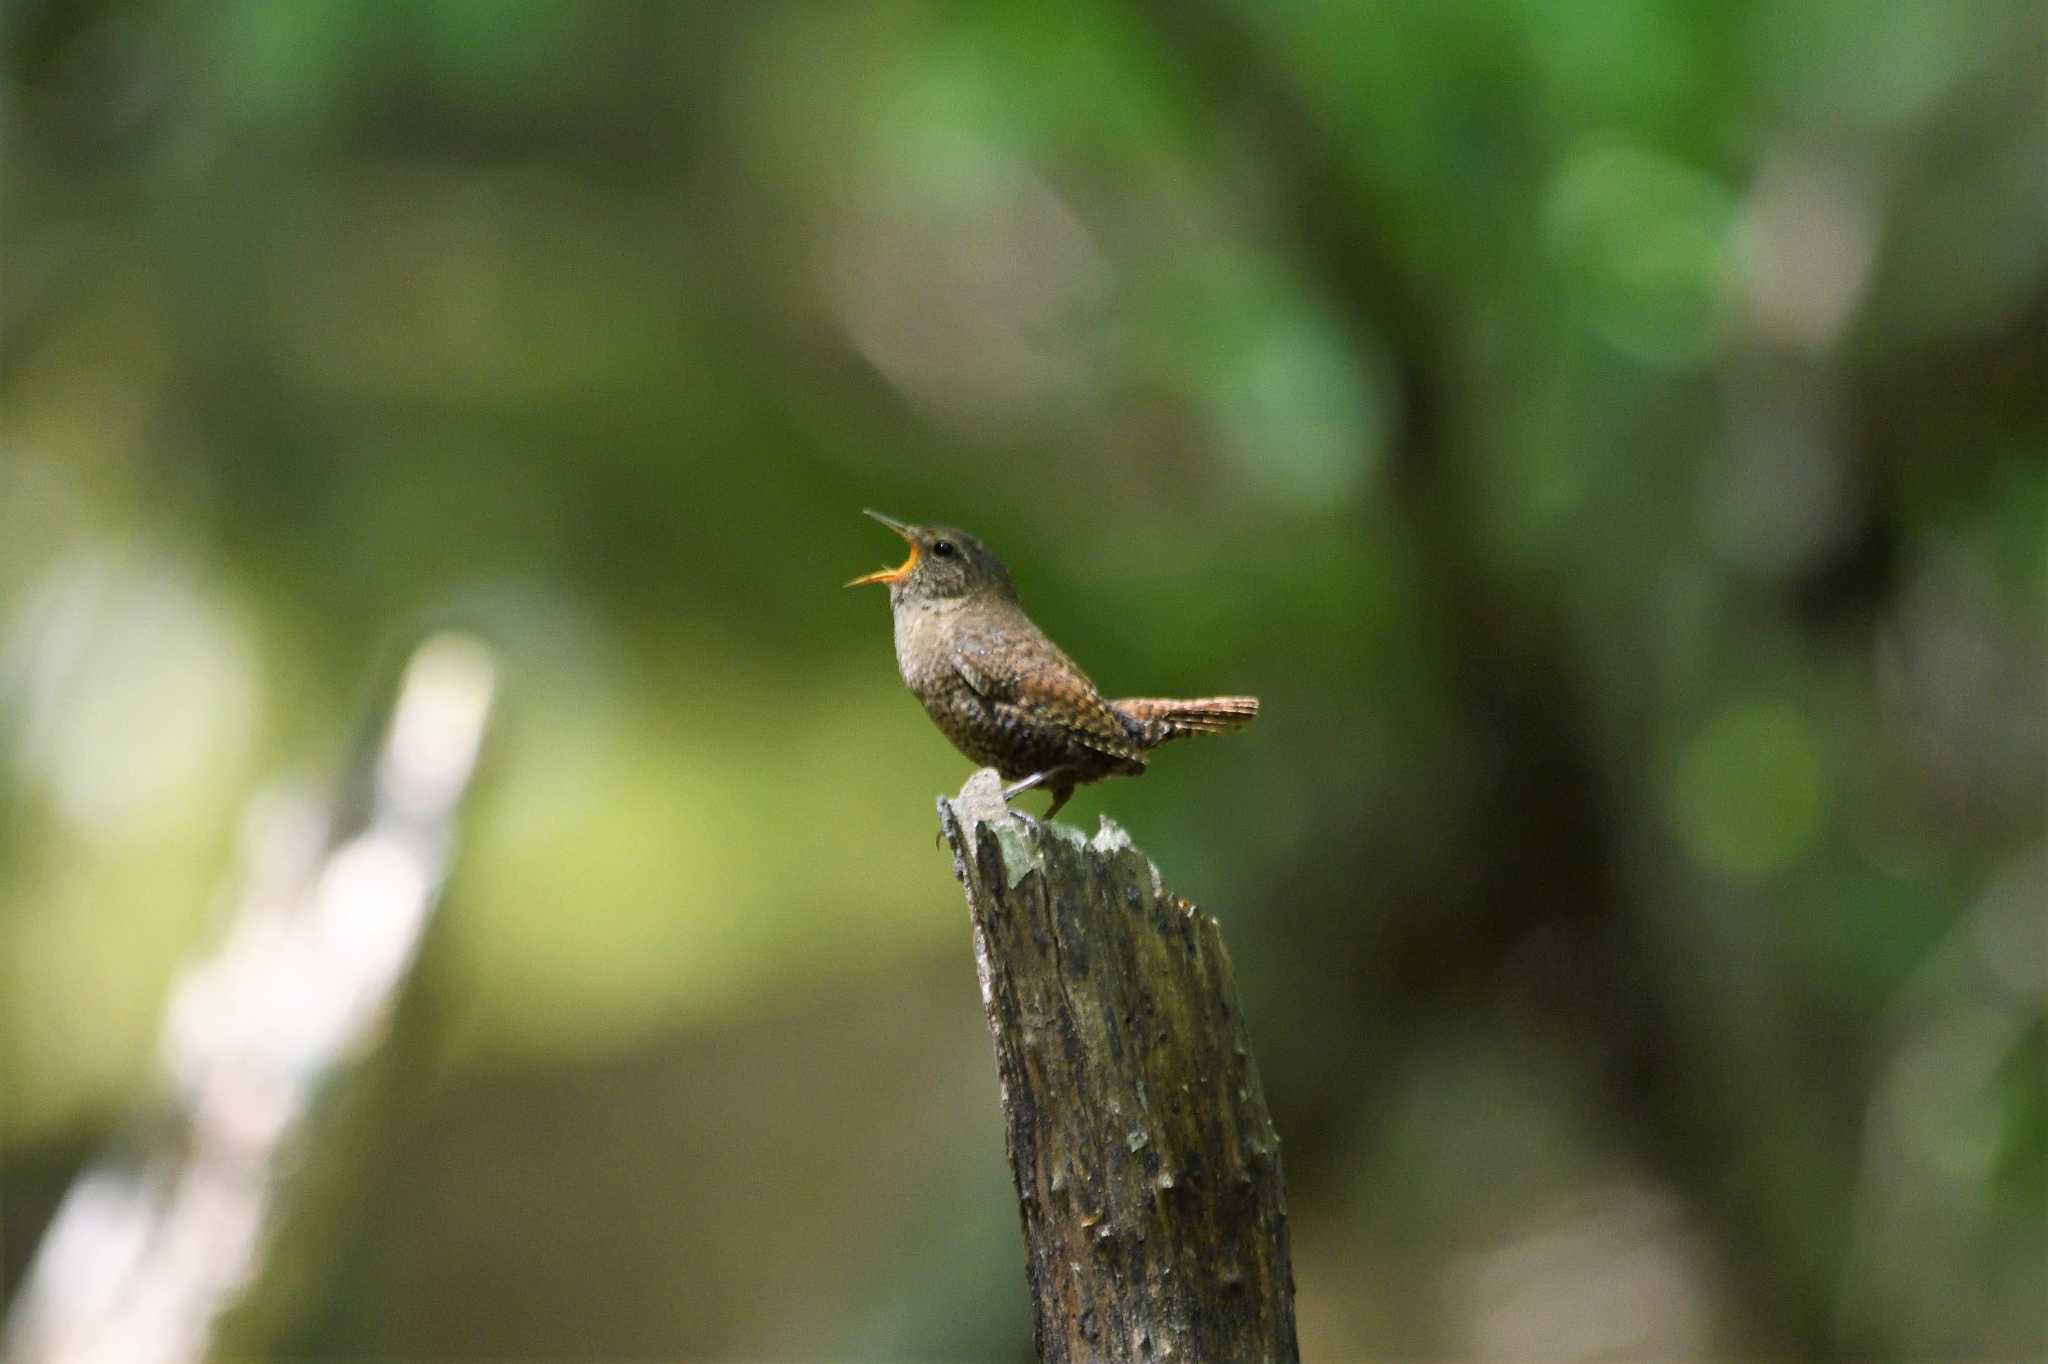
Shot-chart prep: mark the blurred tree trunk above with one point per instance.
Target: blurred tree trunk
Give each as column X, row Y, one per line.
column 1147, row 1167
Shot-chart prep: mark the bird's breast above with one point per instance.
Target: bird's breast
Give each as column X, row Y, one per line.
column 924, row 647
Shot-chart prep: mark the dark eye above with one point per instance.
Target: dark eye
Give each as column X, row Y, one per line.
column 943, row 549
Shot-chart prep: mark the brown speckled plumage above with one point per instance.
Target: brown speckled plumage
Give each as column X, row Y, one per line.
column 1007, row 696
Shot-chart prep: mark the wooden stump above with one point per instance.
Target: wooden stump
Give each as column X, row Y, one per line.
column 1147, row 1167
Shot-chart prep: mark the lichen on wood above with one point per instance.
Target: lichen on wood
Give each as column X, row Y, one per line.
column 1147, row 1167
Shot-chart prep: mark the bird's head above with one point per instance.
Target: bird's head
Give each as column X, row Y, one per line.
column 944, row 564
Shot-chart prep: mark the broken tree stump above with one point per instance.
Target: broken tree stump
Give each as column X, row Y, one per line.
column 1147, row 1167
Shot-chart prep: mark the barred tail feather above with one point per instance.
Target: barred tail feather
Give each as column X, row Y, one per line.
column 1163, row 718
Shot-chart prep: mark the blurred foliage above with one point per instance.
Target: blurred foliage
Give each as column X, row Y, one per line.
column 1609, row 435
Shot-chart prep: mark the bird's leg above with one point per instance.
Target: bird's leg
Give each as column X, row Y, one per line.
column 1060, row 790
column 1011, row 793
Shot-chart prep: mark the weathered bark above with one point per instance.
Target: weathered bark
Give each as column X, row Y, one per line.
column 1147, row 1167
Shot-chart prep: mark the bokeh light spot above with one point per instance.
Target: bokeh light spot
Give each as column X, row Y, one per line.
column 1881, row 64
column 1751, row 790
column 1296, row 411
column 138, row 690
column 1291, row 396
column 1641, row 245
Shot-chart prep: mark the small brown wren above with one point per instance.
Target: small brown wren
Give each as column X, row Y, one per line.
column 1005, row 694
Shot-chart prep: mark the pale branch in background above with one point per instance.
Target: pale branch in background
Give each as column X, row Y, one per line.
column 1147, row 1167
column 149, row 1246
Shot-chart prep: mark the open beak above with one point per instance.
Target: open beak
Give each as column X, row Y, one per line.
column 902, row 570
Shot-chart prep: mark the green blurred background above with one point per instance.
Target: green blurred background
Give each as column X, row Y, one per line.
column 1608, row 435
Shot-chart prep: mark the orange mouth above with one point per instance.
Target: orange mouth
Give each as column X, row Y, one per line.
column 888, row 575
column 902, row 570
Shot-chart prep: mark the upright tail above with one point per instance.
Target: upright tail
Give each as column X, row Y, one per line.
column 1161, row 719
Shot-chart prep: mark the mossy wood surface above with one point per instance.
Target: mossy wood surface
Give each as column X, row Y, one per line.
column 1147, row 1167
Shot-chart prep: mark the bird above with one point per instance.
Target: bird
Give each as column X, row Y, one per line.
column 1004, row 693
